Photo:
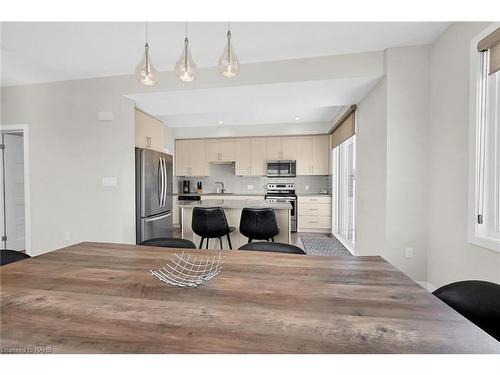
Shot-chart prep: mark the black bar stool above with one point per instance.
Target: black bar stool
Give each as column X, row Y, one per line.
column 259, row 224
column 169, row 242
column 211, row 223
column 11, row 256
column 275, row 247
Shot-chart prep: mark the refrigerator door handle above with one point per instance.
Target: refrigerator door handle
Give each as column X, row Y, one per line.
column 165, row 180
column 158, row 218
column 163, row 186
column 160, row 182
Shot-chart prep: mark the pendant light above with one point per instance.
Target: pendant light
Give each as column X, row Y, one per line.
column 186, row 69
column 145, row 72
column 229, row 65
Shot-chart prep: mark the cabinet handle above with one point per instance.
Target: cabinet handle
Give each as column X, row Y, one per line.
column 314, row 209
column 313, row 222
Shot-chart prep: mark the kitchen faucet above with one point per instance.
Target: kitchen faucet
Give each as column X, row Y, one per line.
column 220, row 185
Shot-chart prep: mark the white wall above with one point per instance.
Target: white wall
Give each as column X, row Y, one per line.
column 407, row 152
column 371, row 133
column 392, row 126
column 251, row 130
column 450, row 256
column 70, row 152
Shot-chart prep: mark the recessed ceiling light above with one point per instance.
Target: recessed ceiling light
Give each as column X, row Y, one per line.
column 297, row 118
column 220, row 122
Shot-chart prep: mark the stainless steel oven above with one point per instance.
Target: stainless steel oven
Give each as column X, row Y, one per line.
column 281, row 168
column 284, row 193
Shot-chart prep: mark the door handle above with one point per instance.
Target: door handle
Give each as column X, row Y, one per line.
column 159, row 182
column 165, row 178
column 162, row 181
column 158, row 218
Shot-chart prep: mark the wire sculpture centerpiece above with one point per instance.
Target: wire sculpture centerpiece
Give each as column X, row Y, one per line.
column 185, row 270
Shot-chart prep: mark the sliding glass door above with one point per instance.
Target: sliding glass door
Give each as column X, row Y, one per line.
column 344, row 192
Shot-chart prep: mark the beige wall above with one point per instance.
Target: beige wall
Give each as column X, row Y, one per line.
column 450, row 256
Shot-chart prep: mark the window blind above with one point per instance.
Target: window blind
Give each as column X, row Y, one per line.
column 343, row 130
column 491, row 45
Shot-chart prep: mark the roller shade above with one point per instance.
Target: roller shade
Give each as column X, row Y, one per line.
column 491, row 43
column 343, row 131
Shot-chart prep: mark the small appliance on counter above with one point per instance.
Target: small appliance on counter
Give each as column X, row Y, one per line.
column 199, row 188
column 186, row 186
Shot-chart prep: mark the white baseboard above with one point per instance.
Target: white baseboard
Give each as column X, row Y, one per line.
column 427, row 286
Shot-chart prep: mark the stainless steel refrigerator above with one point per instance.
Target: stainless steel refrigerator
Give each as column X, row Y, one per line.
column 153, row 191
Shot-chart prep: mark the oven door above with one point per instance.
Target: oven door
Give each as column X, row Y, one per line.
column 293, row 211
column 281, row 168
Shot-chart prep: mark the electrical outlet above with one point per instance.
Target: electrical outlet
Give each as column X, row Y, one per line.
column 250, row 187
column 409, row 252
column 67, row 236
column 307, row 187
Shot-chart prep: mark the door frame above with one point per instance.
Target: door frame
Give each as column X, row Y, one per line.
column 24, row 129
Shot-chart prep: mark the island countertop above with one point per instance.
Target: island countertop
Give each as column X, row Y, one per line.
column 238, row 204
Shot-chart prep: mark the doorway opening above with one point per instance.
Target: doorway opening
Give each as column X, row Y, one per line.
column 14, row 187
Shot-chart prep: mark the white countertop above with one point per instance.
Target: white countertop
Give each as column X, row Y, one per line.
column 236, row 203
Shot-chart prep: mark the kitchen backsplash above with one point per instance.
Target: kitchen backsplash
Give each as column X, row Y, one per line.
column 239, row 184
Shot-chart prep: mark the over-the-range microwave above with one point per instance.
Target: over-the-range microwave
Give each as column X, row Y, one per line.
column 281, row 168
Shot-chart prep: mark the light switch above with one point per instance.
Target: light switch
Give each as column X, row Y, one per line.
column 109, row 181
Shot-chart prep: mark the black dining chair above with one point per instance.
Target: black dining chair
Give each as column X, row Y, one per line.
column 11, row 256
column 478, row 301
column 169, row 242
column 211, row 222
column 275, row 247
column 258, row 224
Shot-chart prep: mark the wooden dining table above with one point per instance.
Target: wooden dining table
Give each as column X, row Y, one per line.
column 102, row 298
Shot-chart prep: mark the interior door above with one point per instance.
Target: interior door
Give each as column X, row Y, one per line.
column 13, row 202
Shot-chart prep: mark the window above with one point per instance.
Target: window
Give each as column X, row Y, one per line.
column 344, row 192
column 484, row 206
column 343, row 142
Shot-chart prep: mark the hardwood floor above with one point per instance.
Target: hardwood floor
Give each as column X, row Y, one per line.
column 295, row 237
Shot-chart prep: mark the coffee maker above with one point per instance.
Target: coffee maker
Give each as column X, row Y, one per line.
column 186, row 187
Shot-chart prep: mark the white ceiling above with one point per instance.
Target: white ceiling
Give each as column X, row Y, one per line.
column 55, row 51
column 309, row 101
column 44, row 52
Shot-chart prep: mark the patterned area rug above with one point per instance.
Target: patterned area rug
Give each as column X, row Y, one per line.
column 322, row 245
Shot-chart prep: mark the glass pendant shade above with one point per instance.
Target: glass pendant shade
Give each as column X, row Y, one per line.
column 145, row 72
column 229, row 64
column 186, row 69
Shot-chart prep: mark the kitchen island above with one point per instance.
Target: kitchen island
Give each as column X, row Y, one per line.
column 233, row 210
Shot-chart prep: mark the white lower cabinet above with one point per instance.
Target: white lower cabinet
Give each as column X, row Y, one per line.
column 315, row 214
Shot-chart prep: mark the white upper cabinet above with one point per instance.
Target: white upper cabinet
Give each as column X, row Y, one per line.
column 289, row 148
column 250, row 155
column 321, row 155
column 243, row 157
column 273, row 151
column 148, row 132
column 313, row 155
column 259, row 158
column 220, row 149
column 304, row 155
column 190, row 159
column 282, row 148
